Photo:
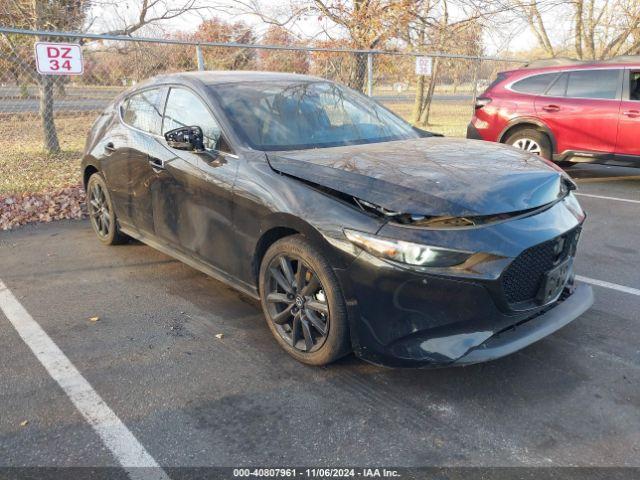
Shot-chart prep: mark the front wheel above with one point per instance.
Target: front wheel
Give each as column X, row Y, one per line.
column 101, row 212
column 303, row 302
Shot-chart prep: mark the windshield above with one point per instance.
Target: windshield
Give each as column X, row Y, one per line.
column 295, row 116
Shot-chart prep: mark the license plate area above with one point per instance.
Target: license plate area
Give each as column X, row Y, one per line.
column 553, row 282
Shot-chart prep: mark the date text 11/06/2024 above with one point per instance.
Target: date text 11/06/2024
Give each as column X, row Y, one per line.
column 316, row 472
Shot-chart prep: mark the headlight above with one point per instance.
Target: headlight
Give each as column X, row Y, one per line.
column 574, row 207
column 407, row 252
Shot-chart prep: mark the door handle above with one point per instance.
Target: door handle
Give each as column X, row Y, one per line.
column 109, row 148
column 551, row 108
column 632, row 113
column 157, row 163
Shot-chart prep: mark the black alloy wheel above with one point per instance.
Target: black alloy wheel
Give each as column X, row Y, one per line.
column 297, row 304
column 101, row 213
column 303, row 302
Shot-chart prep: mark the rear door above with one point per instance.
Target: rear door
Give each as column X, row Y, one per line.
column 113, row 151
column 628, row 142
column 142, row 114
column 581, row 109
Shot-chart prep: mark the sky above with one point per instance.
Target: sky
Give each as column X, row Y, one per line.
column 513, row 37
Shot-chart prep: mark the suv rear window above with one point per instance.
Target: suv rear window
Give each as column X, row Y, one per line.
column 536, row 84
column 593, row 84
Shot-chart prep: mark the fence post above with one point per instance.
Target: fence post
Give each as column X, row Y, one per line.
column 370, row 74
column 200, row 58
column 476, row 72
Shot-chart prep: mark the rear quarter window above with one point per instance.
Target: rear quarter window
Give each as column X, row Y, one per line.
column 142, row 111
column 534, row 85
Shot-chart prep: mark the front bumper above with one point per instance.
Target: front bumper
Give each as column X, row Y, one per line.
column 461, row 327
column 530, row 331
column 400, row 317
column 409, row 317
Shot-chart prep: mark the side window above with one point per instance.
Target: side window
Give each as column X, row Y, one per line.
column 559, row 87
column 634, row 86
column 593, row 84
column 141, row 110
column 185, row 109
column 536, row 84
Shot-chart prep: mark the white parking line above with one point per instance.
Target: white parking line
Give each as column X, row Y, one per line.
column 617, row 199
column 115, row 435
column 612, row 286
column 622, row 178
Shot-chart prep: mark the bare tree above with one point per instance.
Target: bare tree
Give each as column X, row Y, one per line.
column 71, row 15
column 598, row 29
column 432, row 27
column 531, row 11
column 417, row 25
column 368, row 24
column 217, row 30
column 364, row 24
column 282, row 60
column 40, row 15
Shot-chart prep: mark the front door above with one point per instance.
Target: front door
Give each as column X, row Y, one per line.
column 192, row 204
column 581, row 109
column 629, row 128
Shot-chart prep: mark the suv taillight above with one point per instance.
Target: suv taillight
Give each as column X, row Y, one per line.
column 482, row 102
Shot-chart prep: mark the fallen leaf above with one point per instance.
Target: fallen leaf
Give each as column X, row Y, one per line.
column 219, row 335
column 24, row 423
column 20, row 209
column 94, row 319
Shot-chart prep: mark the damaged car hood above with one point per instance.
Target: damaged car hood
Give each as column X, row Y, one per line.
column 429, row 176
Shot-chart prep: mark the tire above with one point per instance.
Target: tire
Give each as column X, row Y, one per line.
column 101, row 213
column 321, row 290
column 531, row 140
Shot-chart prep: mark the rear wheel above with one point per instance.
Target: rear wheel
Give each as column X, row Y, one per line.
column 532, row 141
column 101, row 212
column 303, row 302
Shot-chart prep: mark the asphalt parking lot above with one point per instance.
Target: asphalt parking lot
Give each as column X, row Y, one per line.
column 191, row 399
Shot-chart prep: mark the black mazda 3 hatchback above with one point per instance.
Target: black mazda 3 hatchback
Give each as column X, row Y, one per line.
column 355, row 231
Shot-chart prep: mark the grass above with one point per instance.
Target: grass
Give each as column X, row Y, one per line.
column 26, row 169
column 449, row 118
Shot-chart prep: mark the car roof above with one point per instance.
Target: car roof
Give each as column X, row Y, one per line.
column 564, row 63
column 523, row 72
column 200, row 79
column 217, row 77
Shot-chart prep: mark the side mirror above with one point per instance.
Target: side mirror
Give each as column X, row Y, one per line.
column 185, row 138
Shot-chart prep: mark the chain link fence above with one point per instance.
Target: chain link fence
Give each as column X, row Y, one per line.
column 44, row 119
column 56, row 111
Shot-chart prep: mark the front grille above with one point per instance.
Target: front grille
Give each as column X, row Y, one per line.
column 523, row 278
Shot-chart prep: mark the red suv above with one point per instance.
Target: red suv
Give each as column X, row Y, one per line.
column 565, row 111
